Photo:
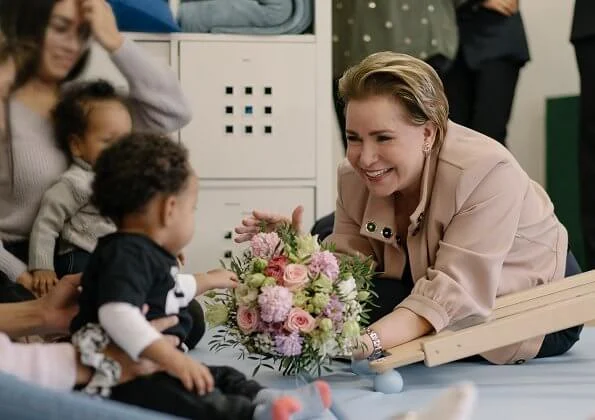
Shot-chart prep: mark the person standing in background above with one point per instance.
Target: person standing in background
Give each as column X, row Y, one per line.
column 425, row 29
column 583, row 38
column 481, row 83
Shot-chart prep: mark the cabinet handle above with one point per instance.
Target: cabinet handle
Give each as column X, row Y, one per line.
column 227, row 254
column 227, row 235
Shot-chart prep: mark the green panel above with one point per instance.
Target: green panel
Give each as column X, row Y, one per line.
column 562, row 128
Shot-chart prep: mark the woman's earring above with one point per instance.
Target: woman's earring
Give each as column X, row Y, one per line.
column 427, row 147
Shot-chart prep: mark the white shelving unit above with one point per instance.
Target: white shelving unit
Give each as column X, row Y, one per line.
column 262, row 132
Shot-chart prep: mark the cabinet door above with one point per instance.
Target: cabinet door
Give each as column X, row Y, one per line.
column 254, row 109
column 220, row 210
column 101, row 66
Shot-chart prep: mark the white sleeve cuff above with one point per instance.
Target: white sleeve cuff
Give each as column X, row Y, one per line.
column 132, row 335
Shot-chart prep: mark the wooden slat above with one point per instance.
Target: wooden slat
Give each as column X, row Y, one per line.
column 508, row 305
column 509, row 330
column 546, row 289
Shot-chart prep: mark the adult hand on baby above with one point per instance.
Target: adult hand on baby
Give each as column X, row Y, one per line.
column 99, row 14
column 504, row 7
column 44, row 281
column 60, row 305
column 251, row 225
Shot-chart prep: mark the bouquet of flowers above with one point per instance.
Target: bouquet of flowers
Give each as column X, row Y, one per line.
column 297, row 305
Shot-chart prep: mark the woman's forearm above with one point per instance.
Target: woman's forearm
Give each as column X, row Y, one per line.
column 20, row 319
column 398, row 327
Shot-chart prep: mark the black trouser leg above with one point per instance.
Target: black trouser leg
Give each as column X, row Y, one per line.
column 233, row 382
column 161, row 392
column 459, row 85
column 482, row 98
column 495, row 86
column 198, row 324
column 73, row 262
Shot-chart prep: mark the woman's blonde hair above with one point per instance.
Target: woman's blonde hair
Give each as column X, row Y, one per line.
column 414, row 83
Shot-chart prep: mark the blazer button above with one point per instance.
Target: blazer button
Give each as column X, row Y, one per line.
column 371, row 227
column 398, row 240
column 387, row 232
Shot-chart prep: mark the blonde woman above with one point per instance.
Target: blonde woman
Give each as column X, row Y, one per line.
column 448, row 214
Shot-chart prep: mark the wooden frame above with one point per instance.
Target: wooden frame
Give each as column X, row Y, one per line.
column 516, row 317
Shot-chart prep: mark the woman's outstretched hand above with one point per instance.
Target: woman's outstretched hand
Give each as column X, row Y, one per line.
column 251, row 225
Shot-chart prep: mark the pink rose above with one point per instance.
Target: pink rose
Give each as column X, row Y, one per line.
column 247, row 319
column 295, row 276
column 299, row 320
column 276, row 268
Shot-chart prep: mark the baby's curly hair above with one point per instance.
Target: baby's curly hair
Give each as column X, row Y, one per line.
column 71, row 115
column 131, row 172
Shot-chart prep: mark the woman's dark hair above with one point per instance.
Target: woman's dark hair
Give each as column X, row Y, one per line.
column 70, row 116
column 26, row 21
column 132, row 171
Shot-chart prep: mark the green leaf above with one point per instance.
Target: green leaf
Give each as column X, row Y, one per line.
column 256, row 369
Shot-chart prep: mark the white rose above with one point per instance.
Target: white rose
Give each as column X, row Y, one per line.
column 348, row 289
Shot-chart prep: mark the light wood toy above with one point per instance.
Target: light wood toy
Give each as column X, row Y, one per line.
column 516, row 317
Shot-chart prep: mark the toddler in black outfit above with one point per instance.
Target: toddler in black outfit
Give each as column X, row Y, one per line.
column 145, row 184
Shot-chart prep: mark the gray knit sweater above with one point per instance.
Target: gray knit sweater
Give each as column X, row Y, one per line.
column 157, row 105
column 67, row 214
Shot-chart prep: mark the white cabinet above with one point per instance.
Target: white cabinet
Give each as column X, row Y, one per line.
column 221, row 209
column 262, row 125
column 254, row 112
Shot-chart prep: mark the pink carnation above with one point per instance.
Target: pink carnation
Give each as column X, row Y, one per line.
column 289, row 345
column 276, row 268
column 275, row 303
column 264, row 245
column 326, row 263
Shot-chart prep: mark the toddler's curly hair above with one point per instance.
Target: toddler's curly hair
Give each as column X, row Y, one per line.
column 131, row 172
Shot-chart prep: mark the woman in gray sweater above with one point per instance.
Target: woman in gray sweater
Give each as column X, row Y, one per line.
column 62, row 30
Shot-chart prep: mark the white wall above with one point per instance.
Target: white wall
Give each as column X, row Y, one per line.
column 551, row 72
